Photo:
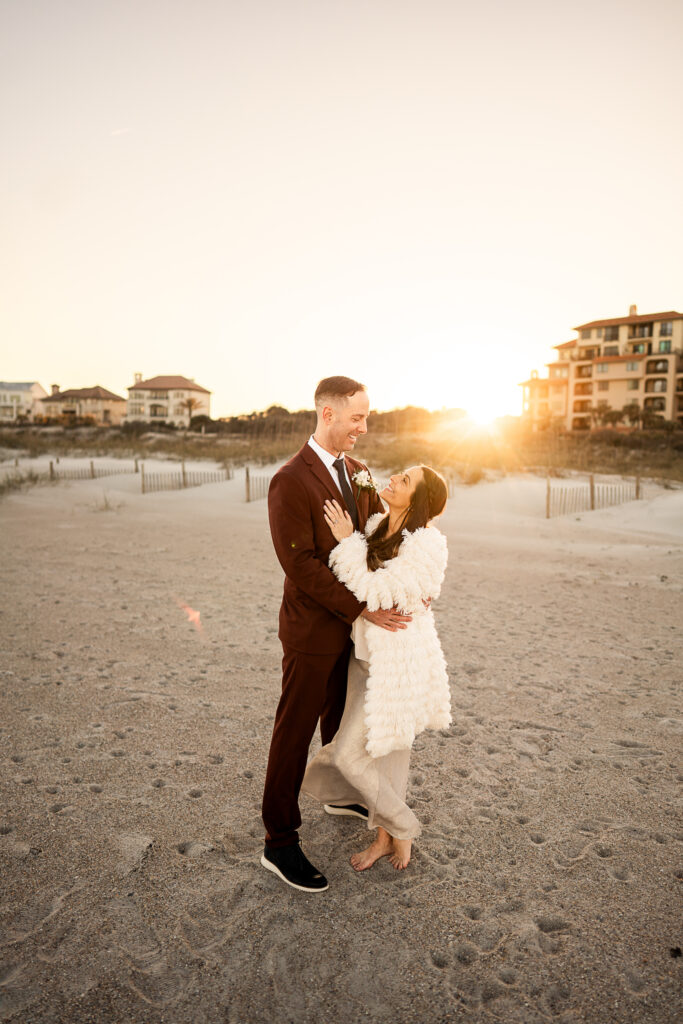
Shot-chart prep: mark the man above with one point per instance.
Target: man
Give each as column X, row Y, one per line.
column 316, row 615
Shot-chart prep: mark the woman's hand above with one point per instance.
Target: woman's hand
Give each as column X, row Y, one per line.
column 338, row 520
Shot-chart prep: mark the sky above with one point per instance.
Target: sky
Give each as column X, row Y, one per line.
column 426, row 195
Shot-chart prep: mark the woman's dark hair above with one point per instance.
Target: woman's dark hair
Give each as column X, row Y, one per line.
column 428, row 500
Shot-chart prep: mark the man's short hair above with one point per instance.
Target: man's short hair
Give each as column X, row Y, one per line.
column 332, row 389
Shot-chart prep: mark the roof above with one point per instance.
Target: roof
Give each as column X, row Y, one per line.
column 12, row 386
column 164, row 383
column 96, row 392
column 672, row 314
column 567, row 344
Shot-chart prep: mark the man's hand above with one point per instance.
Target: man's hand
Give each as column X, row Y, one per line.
column 391, row 619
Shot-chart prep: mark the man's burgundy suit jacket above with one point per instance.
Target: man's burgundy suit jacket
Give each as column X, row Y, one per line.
column 317, row 610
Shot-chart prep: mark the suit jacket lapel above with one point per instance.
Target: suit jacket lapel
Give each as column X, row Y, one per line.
column 321, row 472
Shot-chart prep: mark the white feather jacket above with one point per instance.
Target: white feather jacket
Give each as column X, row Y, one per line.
column 407, row 689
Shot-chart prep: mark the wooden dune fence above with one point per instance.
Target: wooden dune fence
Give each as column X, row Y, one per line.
column 255, row 487
column 151, row 482
column 563, row 501
column 91, row 472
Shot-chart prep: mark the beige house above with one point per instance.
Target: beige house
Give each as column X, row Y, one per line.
column 631, row 364
column 21, row 402
column 167, row 400
column 103, row 407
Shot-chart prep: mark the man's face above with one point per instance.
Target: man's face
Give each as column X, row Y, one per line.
column 348, row 420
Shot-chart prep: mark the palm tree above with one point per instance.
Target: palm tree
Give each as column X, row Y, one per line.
column 190, row 404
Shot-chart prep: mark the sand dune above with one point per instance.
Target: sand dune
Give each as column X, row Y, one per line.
column 546, row 886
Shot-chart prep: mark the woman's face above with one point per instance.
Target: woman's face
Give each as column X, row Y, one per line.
column 401, row 487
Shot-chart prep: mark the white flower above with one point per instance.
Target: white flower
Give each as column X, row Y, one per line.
column 364, row 481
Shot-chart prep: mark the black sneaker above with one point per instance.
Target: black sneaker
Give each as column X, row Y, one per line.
column 292, row 865
column 353, row 810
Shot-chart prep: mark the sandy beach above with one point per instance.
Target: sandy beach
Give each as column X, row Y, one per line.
column 546, row 885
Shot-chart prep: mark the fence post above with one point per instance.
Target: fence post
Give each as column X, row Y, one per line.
column 591, row 481
column 52, row 470
column 638, row 487
column 142, row 477
column 247, row 486
column 547, row 497
column 182, row 470
column 92, row 469
column 136, row 466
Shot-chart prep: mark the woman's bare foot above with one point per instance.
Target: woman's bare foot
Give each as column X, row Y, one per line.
column 401, row 855
column 379, row 848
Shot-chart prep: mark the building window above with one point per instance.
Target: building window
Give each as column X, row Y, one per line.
column 632, row 365
column 666, row 328
column 583, row 389
column 586, row 333
column 657, row 366
column 599, row 332
column 665, row 346
column 603, row 385
column 632, row 385
column 640, row 331
column 611, row 350
column 655, row 385
column 611, row 334
column 635, row 349
column 602, row 368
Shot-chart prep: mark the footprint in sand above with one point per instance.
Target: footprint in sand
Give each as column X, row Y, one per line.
column 149, row 975
column 634, row 982
column 550, row 931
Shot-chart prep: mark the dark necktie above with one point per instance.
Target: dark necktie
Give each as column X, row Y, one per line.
column 347, row 493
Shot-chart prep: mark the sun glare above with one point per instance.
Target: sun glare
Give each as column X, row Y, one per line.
column 481, row 412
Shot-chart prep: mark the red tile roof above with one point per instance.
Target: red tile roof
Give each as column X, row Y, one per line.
column 97, row 392
column 567, row 344
column 166, row 383
column 638, row 319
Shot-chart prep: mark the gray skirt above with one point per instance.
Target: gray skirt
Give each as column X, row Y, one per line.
column 342, row 772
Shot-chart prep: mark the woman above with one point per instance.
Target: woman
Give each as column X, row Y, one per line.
column 397, row 683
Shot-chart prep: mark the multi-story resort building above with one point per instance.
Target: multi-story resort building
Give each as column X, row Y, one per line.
column 97, row 404
column 620, row 370
column 21, row 402
column 167, row 400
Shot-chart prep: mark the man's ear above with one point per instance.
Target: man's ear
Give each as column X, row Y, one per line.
column 328, row 413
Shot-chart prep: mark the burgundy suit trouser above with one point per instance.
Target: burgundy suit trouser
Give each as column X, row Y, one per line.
column 313, row 688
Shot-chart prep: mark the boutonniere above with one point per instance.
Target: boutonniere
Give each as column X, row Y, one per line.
column 364, row 481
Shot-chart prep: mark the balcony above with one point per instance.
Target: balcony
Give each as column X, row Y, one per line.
column 654, row 404
column 582, row 407
column 659, row 384
column 640, row 330
column 583, row 389
column 657, row 366
column 584, row 371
